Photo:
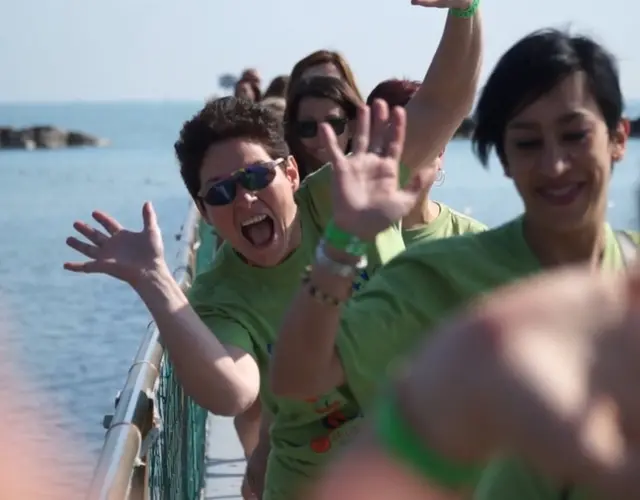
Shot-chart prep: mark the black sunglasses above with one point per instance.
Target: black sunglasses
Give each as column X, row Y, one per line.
column 308, row 129
column 252, row 178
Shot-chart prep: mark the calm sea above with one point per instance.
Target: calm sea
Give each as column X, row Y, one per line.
column 76, row 335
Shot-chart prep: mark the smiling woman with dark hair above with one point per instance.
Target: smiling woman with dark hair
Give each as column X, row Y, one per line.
column 552, row 110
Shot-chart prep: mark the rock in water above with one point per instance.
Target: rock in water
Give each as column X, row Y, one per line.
column 46, row 137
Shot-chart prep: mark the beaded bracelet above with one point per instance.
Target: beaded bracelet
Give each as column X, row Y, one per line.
column 317, row 294
column 398, row 438
column 468, row 12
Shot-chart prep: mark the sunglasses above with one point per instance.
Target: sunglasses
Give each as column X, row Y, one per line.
column 308, row 129
column 252, row 178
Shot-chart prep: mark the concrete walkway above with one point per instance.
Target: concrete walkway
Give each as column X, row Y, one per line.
column 225, row 461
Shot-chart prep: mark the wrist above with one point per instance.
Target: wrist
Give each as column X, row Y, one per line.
column 413, row 442
column 340, row 256
column 156, row 286
column 467, row 10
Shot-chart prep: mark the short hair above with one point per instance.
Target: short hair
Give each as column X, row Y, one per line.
column 533, row 67
column 224, row 119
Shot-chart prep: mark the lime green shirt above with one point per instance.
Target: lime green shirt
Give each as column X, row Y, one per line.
column 448, row 223
column 243, row 306
column 426, row 284
column 422, row 287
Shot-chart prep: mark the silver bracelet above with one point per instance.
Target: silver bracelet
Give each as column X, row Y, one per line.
column 337, row 268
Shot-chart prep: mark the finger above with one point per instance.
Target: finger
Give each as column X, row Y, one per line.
column 330, row 144
column 111, row 225
column 395, row 133
column 92, row 234
column 379, row 123
column 360, row 141
column 149, row 218
column 87, row 249
column 81, row 267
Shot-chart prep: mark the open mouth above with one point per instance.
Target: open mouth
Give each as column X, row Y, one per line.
column 562, row 195
column 259, row 230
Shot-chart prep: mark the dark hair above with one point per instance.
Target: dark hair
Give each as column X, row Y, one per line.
column 394, row 92
column 530, row 69
column 220, row 120
column 277, row 87
column 316, row 59
column 321, row 87
column 257, row 93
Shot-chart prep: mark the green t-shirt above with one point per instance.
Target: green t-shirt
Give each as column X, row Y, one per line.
column 244, row 306
column 422, row 287
column 448, row 223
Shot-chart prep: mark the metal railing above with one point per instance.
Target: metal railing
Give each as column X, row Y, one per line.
column 124, row 469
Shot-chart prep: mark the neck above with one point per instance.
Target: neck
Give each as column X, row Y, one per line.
column 584, row 245
column 422, row 214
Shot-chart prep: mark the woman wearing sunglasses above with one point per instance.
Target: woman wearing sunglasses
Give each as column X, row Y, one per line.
column 552, row 111
column 236, row 165
column 317, row 100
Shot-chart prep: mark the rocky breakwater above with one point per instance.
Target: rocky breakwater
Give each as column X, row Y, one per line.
column 46, row 137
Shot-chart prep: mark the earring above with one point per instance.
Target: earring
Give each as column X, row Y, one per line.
column 439, row 178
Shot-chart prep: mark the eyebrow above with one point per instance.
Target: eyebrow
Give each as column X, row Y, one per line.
column 563, row 120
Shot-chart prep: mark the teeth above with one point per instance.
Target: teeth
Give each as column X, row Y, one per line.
column 559, row 191
column 254, row 220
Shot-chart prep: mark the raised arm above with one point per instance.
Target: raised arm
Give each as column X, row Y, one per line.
column 366, row 200
column 224, row 380
column 447, row 93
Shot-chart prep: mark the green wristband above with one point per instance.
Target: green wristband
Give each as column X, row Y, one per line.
column 398, row 438
column 343, row 241
column 468, row 12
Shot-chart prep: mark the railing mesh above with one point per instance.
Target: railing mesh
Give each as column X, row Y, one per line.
column 177, row 458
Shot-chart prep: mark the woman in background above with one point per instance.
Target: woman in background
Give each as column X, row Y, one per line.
column 317, row 100
column 249, row 90
column 322, row 63
column 428, row 219
column 277, row 87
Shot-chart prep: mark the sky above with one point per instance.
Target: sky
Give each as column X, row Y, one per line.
column 65, row 50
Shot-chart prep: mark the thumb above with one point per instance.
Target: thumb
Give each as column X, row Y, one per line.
column 149, row 217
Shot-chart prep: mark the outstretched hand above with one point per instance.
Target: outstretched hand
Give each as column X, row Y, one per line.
column 367, row 197
column 118, row 252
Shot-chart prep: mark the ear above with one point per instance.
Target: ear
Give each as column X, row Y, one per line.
column 619, row 140
column 290, row 170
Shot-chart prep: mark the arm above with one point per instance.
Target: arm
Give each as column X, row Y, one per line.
column 248, row 426
column 367, row 472
column 224, row 380
column 257, row 463
column 447, row 93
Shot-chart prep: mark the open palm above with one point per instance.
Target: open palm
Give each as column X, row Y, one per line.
column 123, row 254
column 366, row 194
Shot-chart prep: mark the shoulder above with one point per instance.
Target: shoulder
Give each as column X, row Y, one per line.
column 633, row 235
column 465, row 224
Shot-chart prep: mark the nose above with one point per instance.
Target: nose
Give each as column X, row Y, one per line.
column 245, row 197
column 554, row 160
